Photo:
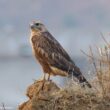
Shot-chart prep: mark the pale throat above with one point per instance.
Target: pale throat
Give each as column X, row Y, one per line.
column 34, row 32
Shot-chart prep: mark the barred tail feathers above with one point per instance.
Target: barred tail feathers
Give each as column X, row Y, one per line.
column 77, row 73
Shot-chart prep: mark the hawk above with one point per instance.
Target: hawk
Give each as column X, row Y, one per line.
column 51, row 55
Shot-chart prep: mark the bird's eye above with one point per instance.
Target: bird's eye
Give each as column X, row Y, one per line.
column 37, row 24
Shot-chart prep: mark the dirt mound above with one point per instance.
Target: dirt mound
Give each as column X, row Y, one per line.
column 72, row 97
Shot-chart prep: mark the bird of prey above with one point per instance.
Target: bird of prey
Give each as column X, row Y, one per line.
column 51, row 55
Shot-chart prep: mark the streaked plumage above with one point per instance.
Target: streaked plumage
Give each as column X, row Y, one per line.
column 51, row 55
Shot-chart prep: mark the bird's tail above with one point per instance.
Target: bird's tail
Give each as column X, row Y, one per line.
column 77, row 73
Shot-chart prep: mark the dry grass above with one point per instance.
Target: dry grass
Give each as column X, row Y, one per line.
column 72, row 97
column 100, row 60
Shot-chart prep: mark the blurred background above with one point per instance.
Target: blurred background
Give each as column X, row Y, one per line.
column 76, row 24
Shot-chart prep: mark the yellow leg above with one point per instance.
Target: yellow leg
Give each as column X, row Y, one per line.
column 42, row 79
column 43, row 83
column 41, row 88
column 48, row 77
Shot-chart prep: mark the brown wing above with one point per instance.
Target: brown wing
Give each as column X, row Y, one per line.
column 53, row 52
column 57, row 47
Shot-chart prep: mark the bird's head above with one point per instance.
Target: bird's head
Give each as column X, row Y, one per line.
column 37, row 26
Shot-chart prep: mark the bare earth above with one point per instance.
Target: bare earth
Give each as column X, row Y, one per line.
column 72, row 97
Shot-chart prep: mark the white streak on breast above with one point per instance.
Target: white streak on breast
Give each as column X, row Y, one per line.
column 53, row 55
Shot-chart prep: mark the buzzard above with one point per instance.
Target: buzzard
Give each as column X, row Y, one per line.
column 51, row 55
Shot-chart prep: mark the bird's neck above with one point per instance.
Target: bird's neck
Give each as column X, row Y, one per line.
column 33, row 33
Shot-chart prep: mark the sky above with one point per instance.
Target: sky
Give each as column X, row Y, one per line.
column 73, row 23
column 76, row 24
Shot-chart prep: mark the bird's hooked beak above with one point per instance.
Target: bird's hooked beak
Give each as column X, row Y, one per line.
column 32, row 25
